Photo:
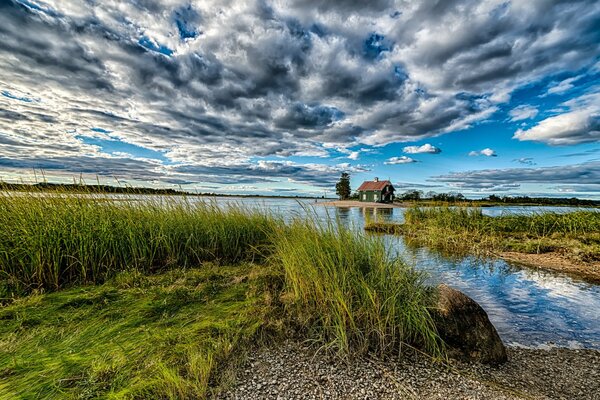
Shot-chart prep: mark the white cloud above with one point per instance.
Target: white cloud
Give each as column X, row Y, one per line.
column 485, row 152
column 265, row 79
column 585, row 176
column 580, row 126
column 400, row 160
column 354, row 155
column 563, row 86
column 523, row 112
column 426, row 148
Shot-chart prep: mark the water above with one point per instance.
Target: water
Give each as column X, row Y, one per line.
column 529, row 308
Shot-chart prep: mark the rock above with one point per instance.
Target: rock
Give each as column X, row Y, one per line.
column 466, row 329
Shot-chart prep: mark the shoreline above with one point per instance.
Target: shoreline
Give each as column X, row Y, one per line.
column 554, row 262
column 294, row 370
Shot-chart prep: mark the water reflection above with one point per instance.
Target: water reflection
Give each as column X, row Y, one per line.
column 377, row 214
column 343, row 213
column 532, row 308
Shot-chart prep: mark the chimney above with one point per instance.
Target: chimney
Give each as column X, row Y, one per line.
column 376, row 179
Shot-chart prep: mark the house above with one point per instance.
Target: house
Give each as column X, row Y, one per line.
column 376, row 191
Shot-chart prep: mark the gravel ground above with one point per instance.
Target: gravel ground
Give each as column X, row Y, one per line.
column 294, row 371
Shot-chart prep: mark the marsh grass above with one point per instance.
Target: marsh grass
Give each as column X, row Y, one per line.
column 49, row 241
column 150, row 299
column 349, row 292
column 466, row 229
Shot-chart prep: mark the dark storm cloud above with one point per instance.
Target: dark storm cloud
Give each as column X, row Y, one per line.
column 344, row 6
column 300, row 116
column 213, row 84
column 270, row 171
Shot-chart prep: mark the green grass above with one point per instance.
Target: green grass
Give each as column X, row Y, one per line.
column 346, row 290
column 466, row 229
column 47, row 242
column 154, row 299
column 162, row 336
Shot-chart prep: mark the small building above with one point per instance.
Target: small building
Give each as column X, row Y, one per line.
column 376, row 191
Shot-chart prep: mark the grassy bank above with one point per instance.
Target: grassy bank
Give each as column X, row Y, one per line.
column 151, row 300
column 574, row 236
column 137, row 336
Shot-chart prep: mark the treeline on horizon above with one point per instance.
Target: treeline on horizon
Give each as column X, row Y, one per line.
column 417, row 195
column 410, row 195
column 85, row 188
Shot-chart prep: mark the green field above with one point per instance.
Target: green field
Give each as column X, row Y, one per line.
column 134, row 299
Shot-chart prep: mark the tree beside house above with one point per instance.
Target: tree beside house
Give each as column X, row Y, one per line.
column 342, row 188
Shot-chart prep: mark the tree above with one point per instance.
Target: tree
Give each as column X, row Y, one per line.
column 412, row 195
column 342, row 188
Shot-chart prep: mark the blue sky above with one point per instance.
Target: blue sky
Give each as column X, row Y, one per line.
column 282, row 96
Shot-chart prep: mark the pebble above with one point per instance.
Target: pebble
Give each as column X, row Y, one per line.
column 292, row 370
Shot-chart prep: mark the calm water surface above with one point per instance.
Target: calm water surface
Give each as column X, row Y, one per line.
column 529, row 307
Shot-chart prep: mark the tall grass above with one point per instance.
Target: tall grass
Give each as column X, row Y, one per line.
column 536, row 223
column 47, row 241
column 574, row 234
column 350, row 292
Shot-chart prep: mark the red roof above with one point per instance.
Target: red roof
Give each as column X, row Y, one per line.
column 373, row 185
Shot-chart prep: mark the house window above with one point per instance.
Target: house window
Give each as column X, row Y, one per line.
column 364, row 196
column 376, row 197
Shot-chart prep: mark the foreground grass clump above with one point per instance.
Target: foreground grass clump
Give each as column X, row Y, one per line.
column 349, row 292
column 164, row 336
column 49, row 241
column 575, row 235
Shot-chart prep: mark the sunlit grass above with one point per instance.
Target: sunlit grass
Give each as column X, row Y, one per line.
column 155, row 298
column 49, row 241
column 347, row 290
column 138, row 337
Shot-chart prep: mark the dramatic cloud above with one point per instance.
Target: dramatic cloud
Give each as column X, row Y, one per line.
column 582, row 175
column 426, row 148
column 485, row 152
column 580, row 125
column 523, row 112
column 400, row 160
column 178, row 90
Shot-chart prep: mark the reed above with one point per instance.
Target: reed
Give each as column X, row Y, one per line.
column 467, row 229
column 347, row 290
column 49, row 241
column 341, row 288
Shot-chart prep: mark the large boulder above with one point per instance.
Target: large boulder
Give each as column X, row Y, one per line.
column 466, row 329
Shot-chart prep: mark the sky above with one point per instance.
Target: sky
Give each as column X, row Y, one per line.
column 281, row 96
